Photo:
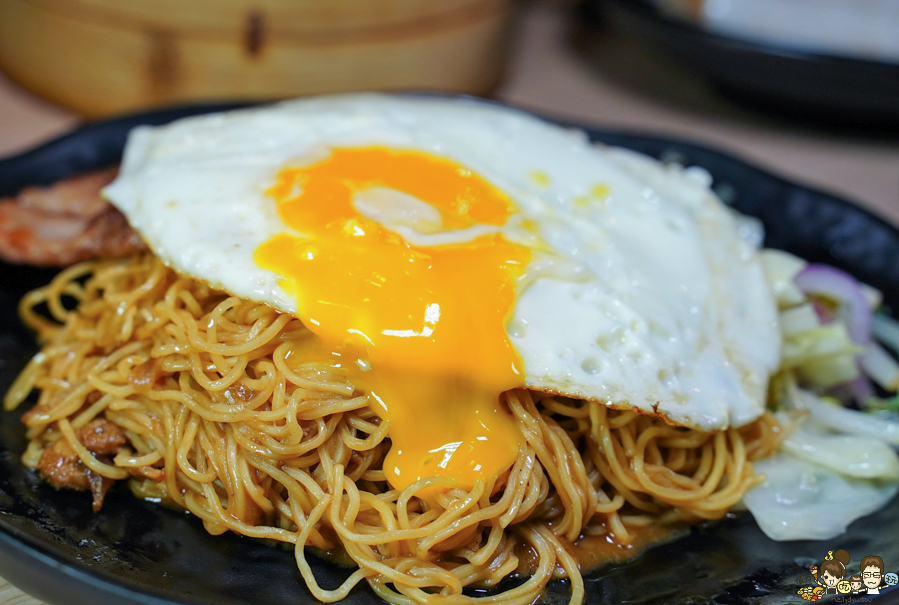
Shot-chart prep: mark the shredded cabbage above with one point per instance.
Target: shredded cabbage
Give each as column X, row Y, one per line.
column 836, row 463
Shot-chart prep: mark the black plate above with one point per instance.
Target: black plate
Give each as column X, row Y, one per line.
column 814, row 87
column 54, row 547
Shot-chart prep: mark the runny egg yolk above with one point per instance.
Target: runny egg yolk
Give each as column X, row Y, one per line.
column 421, row 329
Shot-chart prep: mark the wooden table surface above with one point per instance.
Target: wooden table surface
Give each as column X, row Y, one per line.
column 609, row 81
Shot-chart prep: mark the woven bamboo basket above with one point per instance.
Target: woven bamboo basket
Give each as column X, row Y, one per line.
column 106, row 56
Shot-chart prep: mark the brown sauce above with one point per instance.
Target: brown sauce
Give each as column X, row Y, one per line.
column 592, row 552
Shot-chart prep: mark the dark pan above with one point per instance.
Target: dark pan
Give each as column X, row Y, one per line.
column 54, row 547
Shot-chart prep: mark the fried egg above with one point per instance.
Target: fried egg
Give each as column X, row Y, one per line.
column 447, row 250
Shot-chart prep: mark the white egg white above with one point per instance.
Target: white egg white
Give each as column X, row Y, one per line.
column 642, row 293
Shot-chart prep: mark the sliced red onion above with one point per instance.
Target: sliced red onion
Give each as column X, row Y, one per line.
column 839, row 286
column 853, row 308
column 825, row 313
column 861, row 389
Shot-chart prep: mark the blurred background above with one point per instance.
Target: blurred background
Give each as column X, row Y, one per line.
column 808, row 88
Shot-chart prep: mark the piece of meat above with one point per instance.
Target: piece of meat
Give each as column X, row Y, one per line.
column 239, row 392
column 79, row 195
column 102, row 437
column 63, row 469
column 65, row 223
column 99, row 486
column 145, row 375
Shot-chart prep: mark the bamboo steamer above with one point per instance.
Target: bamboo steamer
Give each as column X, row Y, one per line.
column 106, row 56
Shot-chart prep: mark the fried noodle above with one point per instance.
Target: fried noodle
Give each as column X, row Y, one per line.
column 203, row 386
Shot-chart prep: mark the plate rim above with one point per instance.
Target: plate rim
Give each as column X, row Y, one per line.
column 644, row 9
